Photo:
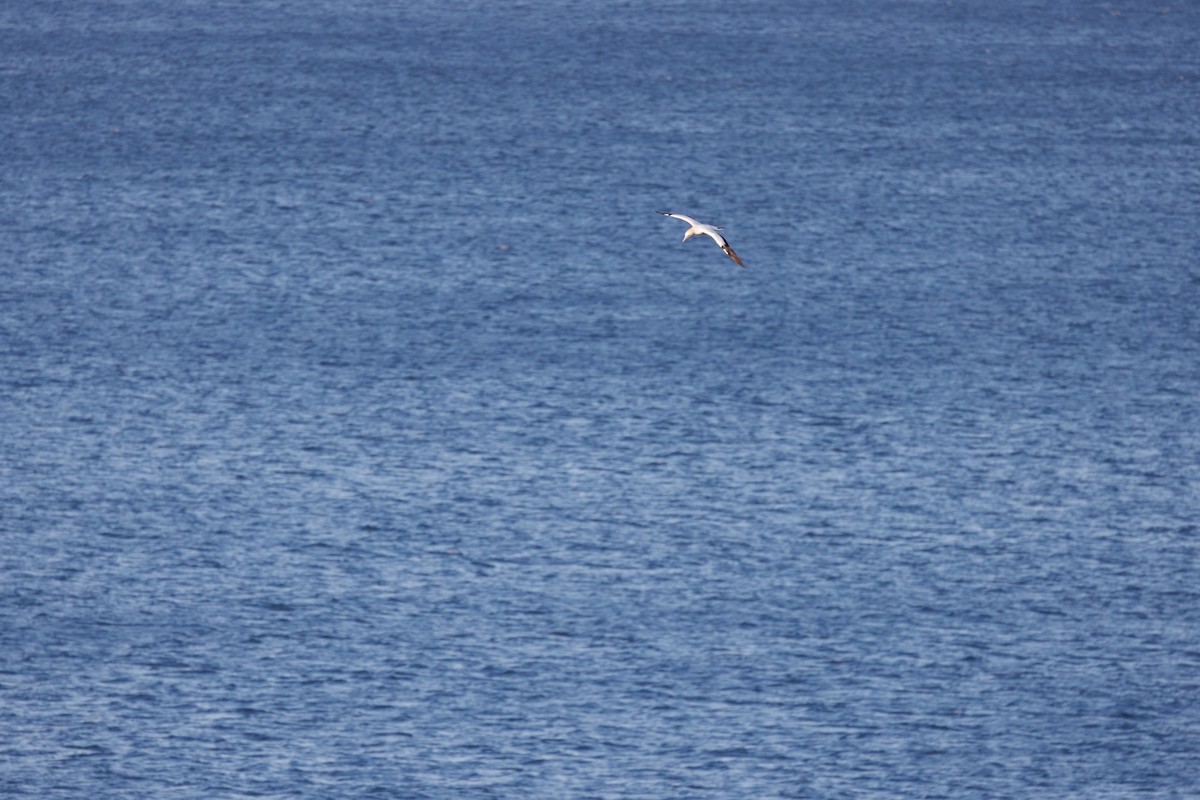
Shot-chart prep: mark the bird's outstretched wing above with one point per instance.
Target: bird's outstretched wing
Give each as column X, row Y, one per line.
column 724, row 245
column 683, row 217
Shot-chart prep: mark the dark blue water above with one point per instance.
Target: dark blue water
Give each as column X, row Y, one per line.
column 365, row 433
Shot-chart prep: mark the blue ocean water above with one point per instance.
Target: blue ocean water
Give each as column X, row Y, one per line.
column 365, row 433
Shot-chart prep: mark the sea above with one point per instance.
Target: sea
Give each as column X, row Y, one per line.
column 365, row 433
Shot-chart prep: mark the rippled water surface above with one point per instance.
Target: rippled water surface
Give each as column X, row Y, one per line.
column 365, row 433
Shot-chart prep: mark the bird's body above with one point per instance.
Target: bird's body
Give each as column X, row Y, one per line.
column 698, row 228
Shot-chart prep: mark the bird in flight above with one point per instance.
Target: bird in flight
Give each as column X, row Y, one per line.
column 710, row 230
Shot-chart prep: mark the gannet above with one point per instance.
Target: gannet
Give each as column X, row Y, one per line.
column 710, row 230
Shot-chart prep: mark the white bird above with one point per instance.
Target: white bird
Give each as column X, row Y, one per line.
column 708, row 230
